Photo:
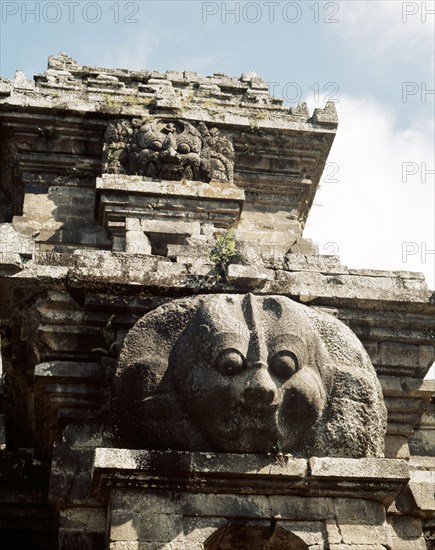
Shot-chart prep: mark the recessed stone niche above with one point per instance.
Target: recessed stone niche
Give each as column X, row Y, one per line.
column 144, row 216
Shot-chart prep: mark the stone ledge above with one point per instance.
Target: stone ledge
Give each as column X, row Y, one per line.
column 372, row 478
column 361, row 287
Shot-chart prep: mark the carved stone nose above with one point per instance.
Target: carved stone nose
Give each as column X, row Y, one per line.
column 260, row 388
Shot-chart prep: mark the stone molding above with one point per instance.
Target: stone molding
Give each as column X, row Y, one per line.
column 369, row 478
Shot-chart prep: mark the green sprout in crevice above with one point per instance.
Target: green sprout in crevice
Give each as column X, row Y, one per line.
column 223, row 251
column 280, row 457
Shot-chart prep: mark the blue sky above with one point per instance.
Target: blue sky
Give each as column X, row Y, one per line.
column 377, row 204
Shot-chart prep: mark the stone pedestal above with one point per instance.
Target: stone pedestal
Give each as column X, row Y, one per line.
column 183, row 500
column 134, row 208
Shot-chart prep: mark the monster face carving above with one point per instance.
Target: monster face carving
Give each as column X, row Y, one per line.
column 228, row 373
column 168, row 150
column 256, row 376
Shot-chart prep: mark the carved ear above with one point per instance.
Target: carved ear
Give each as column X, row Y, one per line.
column 324, row 364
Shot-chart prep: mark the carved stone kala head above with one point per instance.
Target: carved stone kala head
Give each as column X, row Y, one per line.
column 241, row 373
column 169, row 150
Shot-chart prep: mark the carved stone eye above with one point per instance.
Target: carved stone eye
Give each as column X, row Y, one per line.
column 184, row 148
column 229, row 362
column 284, row 364
column 156, row 145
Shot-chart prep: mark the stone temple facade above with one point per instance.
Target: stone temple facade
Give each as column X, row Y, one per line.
column 181, row 369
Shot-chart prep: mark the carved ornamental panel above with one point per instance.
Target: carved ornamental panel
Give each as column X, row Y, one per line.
column 245, row 373
column 168, row 150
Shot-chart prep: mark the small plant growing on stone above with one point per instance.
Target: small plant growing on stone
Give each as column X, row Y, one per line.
column 109, row 336
column 223, row 250
column 280, row 457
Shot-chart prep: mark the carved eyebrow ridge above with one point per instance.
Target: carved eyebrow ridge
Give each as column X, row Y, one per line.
column 257, row 345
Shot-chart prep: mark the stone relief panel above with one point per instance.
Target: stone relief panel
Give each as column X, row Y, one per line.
column 168, row 150
column 245, row 373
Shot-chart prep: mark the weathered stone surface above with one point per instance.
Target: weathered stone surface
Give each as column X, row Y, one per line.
column 194, row 518
column 354, row 547
column 406, row 533
column 272, row 381
column 2, row 432
column 293, row 508
column 303, row 246
column 255, row 535
column 170, row 209
column 14, row 247
column 422, row 443
column 361, row 468
column 93, row 519
column 168, row 150
column 250, row 276
column 396, row 446
column 354, row 396
column 346, row 287
column 84, row 255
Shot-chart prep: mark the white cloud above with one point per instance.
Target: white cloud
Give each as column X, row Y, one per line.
column 134, row 51
column 366, row 208
column 377, row 27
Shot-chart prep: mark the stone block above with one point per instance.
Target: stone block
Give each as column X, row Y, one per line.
column 241, row 275
column 136, row 242
column 144, row 502
column 171, row 227
column 304, row 246
column 160, row 527
column 396, row 446
column 245, row 464
column 124, row 526
column 426, row 356
column 89, row 519
column 361, row 468
column 14, row 246
column 169, row 269
column 133, row 224
column 418, row 497
column 72, row 539
column 396, row 354
column 333, row 532
column 414, row 284
column 406, row 533
column 194, row 262
column 307, row 509
column 197, row 530
column 310, row 532
column 227, row 506
column 360, row 533
column 372, row 349
column 368, row 512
